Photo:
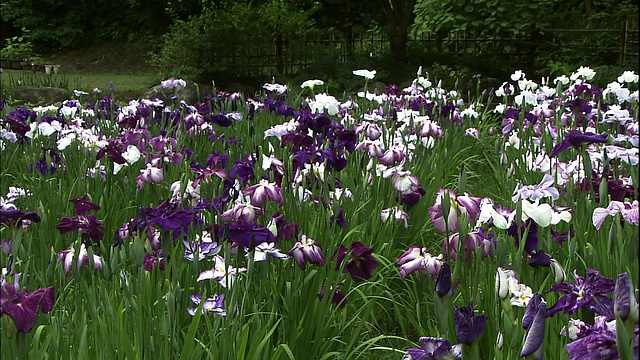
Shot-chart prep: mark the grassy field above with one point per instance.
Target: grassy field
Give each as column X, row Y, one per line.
column 78, row 80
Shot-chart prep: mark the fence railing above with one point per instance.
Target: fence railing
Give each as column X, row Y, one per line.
column 289, row 55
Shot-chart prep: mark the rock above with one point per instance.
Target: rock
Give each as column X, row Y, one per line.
column 187, row 93
column 39, row 95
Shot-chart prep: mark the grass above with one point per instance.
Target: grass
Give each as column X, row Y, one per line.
column 79, row 80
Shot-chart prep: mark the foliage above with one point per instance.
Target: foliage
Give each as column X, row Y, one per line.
column 210, row 45
column 66, row 23
column 480, row 17
column 18, row 47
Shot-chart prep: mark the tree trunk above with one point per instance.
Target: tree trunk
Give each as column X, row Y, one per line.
column 399, row 14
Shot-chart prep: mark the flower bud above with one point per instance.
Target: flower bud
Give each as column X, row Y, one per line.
column 559, row 275
column 502, row 283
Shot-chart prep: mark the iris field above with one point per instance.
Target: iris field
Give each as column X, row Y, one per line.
column 410, row 223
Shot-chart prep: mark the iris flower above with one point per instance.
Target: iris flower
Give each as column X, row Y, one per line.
column 467, row 204
column 434, row 349
column 306, row 249
column 225, row 275
column 367, row 74
column 588, row 292
column 212, row 305
column 249, row 234
column 268, row 249
column 67, row 257
column 418, row 259
column 534, row 322
column 23, row 306
column 625, row 303
column 360, row 264
column 468, row 327
column 594, row 342
column 339, row 297
column 576, row 139
column 262, row 192
column 535, row 192
column 629, row 212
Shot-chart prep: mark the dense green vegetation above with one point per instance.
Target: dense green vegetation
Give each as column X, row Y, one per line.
column 226, row 40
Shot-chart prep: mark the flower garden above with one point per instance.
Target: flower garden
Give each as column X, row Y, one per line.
column 409, row 223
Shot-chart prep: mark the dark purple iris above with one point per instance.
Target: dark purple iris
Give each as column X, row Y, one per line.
column 339, row 218
column 443, row 283
column 360, row 264
column 339, row 297
column 15, row 217
column 576, row 139
column 588, row 292
column 468, row 327
column 88, row 224
column 249, row 235
column 83, row 205
column 23, row 306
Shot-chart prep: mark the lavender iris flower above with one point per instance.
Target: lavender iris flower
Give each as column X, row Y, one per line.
column 536, row 192
column 23, row 306
column 212, row 305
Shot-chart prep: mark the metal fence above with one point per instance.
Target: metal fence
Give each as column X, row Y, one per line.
column 290, row 55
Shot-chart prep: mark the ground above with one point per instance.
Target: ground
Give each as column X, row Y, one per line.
column 116, row 58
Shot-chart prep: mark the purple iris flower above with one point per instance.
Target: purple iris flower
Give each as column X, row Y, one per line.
column 443, row 283
column 339, row 219
column 360, row 264
column 14, row 217
column 169, row 219
column 625, row 303
column 536, row 192
column 83, row 205
column 23, row 306
column 212, row 305
column 434, row 349
column 88, row 224
column 418, row 259
column 468, row 327
column 538, row 258
column 154, row 261
column 475, row 239
column 284, row 230
column 339, row 297
column 262, row 192
column 595, row 342
column 243, row 170
column 306, row 249
column 467, row 204
column 202, row 248
column 576, row 139
column 588, row 292
column 534, row 323
column 249, row 235
column 67, row 257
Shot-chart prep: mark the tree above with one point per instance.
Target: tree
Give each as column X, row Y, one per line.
column 399, row 15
